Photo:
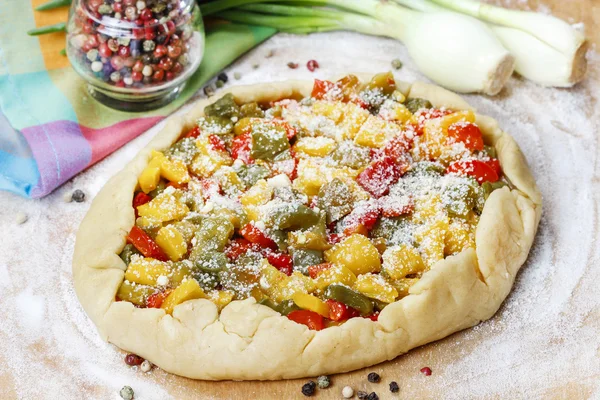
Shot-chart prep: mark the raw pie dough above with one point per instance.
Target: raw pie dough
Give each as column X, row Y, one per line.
column 250, row 341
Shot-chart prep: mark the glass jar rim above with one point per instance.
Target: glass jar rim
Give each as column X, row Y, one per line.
column 123, row 24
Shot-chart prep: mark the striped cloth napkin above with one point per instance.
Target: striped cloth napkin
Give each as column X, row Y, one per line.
column 50, row 128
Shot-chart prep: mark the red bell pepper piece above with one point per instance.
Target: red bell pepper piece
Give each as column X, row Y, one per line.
column 479, row 170
column 467, row 133
column 495, row 164
column 315, row 270
column 283, row 262
column 290, row 131
column 155, row 300
column 395, row 207
column 145, row 244
column 241, row 148
column 361, row 221
column 210, row 187
column 217, row 143
column 288, row 167
column 374, row 316
column 255, row 235
column 334, row 238
column 396, row 148
column 321, row 88
column 240, row 246
column 341, row 312
column 311, row 319
column 194, row 133
column 140, row 199
column 380, row 175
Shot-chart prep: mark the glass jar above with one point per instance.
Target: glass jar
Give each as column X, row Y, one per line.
column 135, row 55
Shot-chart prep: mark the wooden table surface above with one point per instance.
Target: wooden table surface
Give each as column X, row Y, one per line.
column 469, row 364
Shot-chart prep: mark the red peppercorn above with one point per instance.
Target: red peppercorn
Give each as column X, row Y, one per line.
column 138, row 66
column 86, row 47
column 93, row 41
column 160, row 51
column 137, row 76
column 312, row 65
column 139, row 22
column 170, row 75
column 174, row 51
column 170, row 26
column 121, row 83
column 146, row 14
column 129, row 62
column 165, row 64
column 113, row 45
column 177, row 68
column 128, row 2
column 159, row 75
column 150, row 22
column 94, row 4
column 117, row 62
column 138, row 33
column 133, row 359
column 88, row 28
column 124, row 51
column 175, row 40
column 117, row 7
column 149, row 33
column 292, row 65
column 426, row 371
column 104, row 50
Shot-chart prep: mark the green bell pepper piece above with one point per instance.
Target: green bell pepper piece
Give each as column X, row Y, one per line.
column 292, row 216
column 268, row 141
column 251, row 110
column 336, row 199
column 349, row 297
column 304, row 258
column 252, row 173
column 415, row 104
column 213, row 234
column 225, row 107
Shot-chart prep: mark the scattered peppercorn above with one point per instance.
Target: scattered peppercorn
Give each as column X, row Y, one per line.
column 396, row 63
column 323, row 381
column 146, row 366
column 126, row 393
column 133, row 359
column 426, row 371
column 347, row 392
column 308, row 389
column 362, row 395
column 372, row 396
column 255, row 65
column 270, row 53
column 237, row 75
column 292, row 65
column 394, row 388
column 21, row 218
column 208, row 90
column 374, row 377
column 312, row 65
column 223, row 77
column 219, row 84
column 78, row 196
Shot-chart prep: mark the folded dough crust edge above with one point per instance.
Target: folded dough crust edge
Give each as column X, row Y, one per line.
column 248, row 341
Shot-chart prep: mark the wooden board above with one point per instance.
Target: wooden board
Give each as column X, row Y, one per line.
column 55, row 353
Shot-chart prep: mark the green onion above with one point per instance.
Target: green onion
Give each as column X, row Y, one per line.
column 52, row 4
column 60, row 27
column 63, row 52
column 547, row 50
column 473, row 59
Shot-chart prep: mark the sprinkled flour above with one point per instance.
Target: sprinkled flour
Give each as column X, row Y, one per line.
column 543, row 342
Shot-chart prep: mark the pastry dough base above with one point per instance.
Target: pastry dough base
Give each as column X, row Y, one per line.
column 248, row 341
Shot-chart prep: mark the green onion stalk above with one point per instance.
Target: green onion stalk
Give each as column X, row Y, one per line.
column 547, row 50
column 456, row 51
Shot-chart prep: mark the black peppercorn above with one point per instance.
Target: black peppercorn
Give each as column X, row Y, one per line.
column 223, row 77
column 362, row 395
column 394, row 388
column 374, row 377
column 372, row 396
column 308, row 389
column 78, row 196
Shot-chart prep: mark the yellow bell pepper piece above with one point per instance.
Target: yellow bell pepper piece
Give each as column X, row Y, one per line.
column 460, row 236
column 354, row 117
column 312, row 303
column 395, row 111
column 335, row 274
column 356, row 253
column 188, row 290
column 432, row 238
column 375, row 132
column 172, row 242
column 146, row 270
column 150, row 176
column 315, row 146
column 375, row 287
column 259, row 194
column 173, row 170
column 427, row 208
column 221, row 298
column 272, row 282
column 134, row 292
column 332, row 110
column 403, row 285
column 230, row 182
column 399, row 261
column 164, row 207
column 209, row 160
column 459, row 116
